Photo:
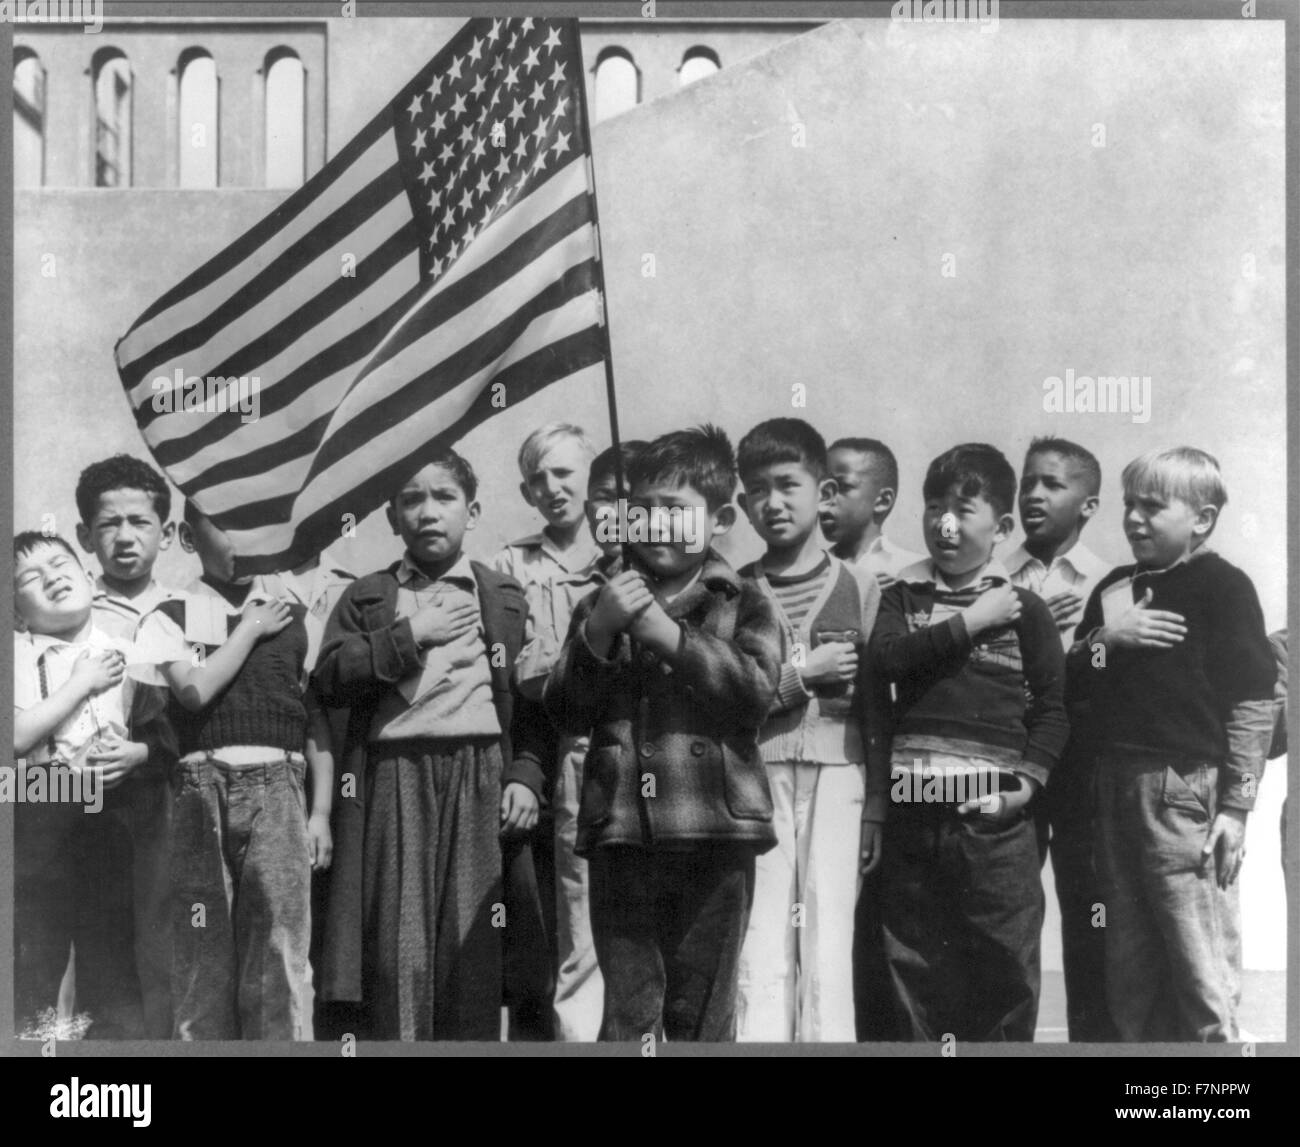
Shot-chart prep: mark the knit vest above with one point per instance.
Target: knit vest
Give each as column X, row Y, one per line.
column 263, row 705
column 827, row 730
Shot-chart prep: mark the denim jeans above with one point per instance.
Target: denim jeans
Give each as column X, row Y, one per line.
column 961, row 907
column 1172, row 934
column 668, row 926
column 241, row 869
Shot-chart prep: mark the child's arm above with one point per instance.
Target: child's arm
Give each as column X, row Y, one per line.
column 1044, row 669
column 93, row 672
column 197, row 686
column 572, row 692
column 1242, row 668
column 357, row 664
column 320, row 763
column 116, row 759
column 899, row 653
column 738, row 677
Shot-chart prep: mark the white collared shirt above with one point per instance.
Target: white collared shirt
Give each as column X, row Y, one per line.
column 120, row 616
column 101, row 714
column 1078, row 570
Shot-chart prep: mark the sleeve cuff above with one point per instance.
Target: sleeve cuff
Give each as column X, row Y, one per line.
column 790, row 691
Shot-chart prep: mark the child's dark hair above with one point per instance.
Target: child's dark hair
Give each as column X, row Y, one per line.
column 782, row 440
column 1084, row 459
column 31, row 540
column 455, row 465
column 975, row 470
column 602, row 466
column 701, row 458
column 882, row 458
column 121, row 472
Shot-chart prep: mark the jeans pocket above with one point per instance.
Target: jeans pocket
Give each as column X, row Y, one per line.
column 1189, row 792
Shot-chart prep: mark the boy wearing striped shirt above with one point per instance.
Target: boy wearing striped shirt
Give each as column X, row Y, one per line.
column 979, row 721
column 823, row 752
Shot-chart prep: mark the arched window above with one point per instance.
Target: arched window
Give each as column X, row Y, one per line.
column 29, row 119
column 197, row 123
column 618, row 83
column 285, row 118
column 697, row 63
column 112, row 77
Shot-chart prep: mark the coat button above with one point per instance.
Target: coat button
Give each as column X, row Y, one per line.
column 697, row 748
column 647, row 657
column 647, row 750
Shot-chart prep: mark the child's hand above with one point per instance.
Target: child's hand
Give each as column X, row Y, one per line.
column 436, row 624
column 97, row 670
column 320, row 844
column 873, row 833
column 265, row 618
column 519, row 808
column 996, row 606
column 116, row 759
column 1064, row 607
column 656, row 630
column 1141, row 628
column 618, row 604
column 1225, row 842
column 830, row 663
column 1001, row 807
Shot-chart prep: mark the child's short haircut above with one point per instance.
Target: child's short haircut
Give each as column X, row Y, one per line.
column 975, row 470
column 454, row 464
column 781, row 440
column 121, row 472
column 1181, row 472
column 536, row 445
column 883, row 463
column 31, row 540
column 602, row 466
column 1083, row 459
column 701, row 458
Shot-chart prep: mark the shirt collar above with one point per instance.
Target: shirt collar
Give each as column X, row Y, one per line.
column 1079, row 558
column 579, row 557
column 95, row 638
column 461, row 571
column 152, row 597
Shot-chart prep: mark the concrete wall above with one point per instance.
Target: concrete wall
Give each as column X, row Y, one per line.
column 925, row 149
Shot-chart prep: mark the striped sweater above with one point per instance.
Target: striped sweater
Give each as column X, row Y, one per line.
column 837, row 726
column 1000, row 696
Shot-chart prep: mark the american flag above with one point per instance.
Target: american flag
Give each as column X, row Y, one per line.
column 443, row 265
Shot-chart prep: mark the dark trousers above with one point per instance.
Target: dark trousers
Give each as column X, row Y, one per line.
column 668, row 927
column 874, row 1017
column 1066, row 816
column 73, row 887
column 527, row 941
column 961, row 905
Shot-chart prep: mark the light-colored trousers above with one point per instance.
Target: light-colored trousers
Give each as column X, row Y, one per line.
column 796, row 966
column 579, row 989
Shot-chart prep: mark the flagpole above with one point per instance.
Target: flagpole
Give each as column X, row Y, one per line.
column 610, row 396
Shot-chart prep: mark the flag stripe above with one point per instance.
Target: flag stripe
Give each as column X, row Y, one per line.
column 328, row 236
column 259, row 242
column 580, row 354
column 379, row 402
column 345, row 302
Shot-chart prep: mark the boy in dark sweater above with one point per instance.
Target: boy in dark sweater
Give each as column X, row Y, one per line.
column 673, row 666
column 244, row 838
column 1174, row 670
column 979, row 721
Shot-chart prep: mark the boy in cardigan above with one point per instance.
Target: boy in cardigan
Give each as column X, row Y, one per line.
column 247, row 831
column 1177, row 673
column 979, row 721
column 796, row 967
column 672, row 666
column 438, row 768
